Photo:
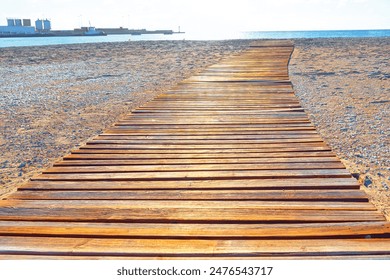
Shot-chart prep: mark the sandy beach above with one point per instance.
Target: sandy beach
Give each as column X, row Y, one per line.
column 344, row 86
column 55, row 98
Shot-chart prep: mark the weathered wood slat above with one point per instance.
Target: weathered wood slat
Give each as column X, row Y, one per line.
column 236, row 142
column 219, row 108
column 209, row 151
column 59, row 256
column 202, row 121
column 195, row 161
column 205, row 248
column 204, row 167
column 276, row 231
column 192, row 215
column 280, row 116
column 197, row 175
column 184, row 204
column 264, row 195
column 202, row 132
column 209, row 155
column 353, row 256
column 223, row 127
column 261, row 184
column 230, row 138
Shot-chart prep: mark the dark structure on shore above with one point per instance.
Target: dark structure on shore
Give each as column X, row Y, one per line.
column 121, row 31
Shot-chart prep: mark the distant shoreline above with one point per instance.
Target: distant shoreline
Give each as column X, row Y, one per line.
column 175, row 36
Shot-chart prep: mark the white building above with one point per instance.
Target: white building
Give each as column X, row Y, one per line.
column 15, row 27
column 46, row 25
column 42, row 25
column 39, row 25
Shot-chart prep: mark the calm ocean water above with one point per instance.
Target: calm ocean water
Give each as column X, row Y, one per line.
column 19, row 42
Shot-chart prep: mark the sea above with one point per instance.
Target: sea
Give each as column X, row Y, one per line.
column 42, row 41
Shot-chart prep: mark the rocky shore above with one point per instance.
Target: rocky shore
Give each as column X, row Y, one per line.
column 344, row 86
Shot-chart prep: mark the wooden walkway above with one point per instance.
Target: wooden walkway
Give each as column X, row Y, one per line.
column 224, row 165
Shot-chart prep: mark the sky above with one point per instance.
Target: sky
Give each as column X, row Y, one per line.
column 205, row 15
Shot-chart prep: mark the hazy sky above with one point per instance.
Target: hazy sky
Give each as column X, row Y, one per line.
column 198, row 15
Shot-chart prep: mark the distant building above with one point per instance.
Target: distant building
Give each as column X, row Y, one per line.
column 39, row 25
column 11, row 22
column 26, row 22
column 43, row 25
column 14, row 26
column 46, row 25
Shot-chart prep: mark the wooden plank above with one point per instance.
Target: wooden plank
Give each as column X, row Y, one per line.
column 195, row 161
column 200, row 132
column 207, row 150
column 206, row 128
column 219, row 130
column 198, row 175
column 323, row 257
column 264, row 195
column 195, row 110
column 202, row 121
column 208, row 136
column 161, row 113
column 250, row 116
column 158, row 230
column 208, row 155
column 246, row 184
column 181, row 214
column 182, row 168
column 223, row 102
column 205, row 248
column 211, row 138
column 217, row 108
column 196, row 143
column 185, row 204
column 244, row 96
column 352, row 256
column 129, row 144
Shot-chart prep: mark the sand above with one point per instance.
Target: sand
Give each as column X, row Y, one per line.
column 344, row 86
column 55, row 98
